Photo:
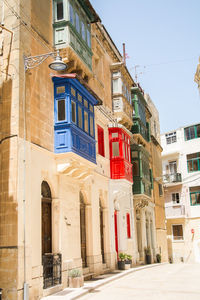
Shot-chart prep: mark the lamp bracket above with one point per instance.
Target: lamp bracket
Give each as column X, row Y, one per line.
column 30, row 62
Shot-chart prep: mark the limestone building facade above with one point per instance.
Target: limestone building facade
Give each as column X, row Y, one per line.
column 181, row 167
column 67, row 140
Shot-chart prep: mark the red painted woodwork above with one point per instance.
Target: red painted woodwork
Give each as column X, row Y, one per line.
column 120, row 157
column 116, row 232
column 128, row 225
column 100, row 132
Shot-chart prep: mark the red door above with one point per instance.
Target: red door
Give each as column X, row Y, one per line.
column 116, row 232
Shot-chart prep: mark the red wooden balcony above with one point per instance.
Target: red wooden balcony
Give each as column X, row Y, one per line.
column 120, row 159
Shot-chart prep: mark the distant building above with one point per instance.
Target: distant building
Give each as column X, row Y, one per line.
column 158, row 194
column 181, row 178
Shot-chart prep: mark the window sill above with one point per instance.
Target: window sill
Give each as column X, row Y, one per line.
column 178, row 241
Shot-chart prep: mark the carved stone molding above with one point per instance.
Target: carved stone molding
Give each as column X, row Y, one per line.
column 141, row 204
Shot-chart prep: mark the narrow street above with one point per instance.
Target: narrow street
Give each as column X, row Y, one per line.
column 165, row 282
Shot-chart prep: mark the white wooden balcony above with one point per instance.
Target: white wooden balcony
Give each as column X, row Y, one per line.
column 173, row 211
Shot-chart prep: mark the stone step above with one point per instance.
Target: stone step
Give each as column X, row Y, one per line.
column 88, row 276
column 106, row 270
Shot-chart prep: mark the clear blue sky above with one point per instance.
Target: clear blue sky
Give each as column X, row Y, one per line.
column 164, row 36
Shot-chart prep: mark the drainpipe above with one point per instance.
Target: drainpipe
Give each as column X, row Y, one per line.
column 26, row 286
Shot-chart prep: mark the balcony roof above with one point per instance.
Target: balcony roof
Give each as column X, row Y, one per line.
column 75, row 76
column 89, row 10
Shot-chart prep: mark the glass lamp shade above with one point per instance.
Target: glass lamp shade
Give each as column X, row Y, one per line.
column 58, row 64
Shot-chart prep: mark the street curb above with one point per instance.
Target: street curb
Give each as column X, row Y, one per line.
column 89, row 287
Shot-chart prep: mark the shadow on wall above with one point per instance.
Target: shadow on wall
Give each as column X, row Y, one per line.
column 8, row 202
column 170, row 250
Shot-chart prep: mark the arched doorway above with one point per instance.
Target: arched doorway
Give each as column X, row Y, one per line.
column 46, row 218
column 51, row 262
column 101, row 231
column 83, row 231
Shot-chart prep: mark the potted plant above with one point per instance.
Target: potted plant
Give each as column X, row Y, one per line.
column 128, row 261
column 75, row 278
column 121, row 261
column 158, row 258
column 147, row 251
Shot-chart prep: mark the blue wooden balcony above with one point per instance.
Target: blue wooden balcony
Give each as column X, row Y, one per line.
column 74, row 117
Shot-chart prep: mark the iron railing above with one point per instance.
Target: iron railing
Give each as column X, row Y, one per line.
column 172, row 178
column 51, row 269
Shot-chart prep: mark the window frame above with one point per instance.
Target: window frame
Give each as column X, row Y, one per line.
column 195, row 128
column 57, row 100
column 192, row 160
column 175, row 200
column 177, row 240
column 171, row 137
column 194, row 193
column 55, row 10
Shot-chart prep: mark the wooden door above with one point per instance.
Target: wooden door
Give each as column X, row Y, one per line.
column 102, row 234
column 116, row 232
column 83, row 233
column 46, row 226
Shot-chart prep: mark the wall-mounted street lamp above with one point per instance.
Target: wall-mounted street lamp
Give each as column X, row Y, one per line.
column 31, row 62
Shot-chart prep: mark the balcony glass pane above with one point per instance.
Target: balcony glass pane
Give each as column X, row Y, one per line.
column 73, row 111
column 79, row 98
column 115, row 149
column 85, row 103
column 77, row 23
column 91, row 108
column 115, row 86
column 124, row 153
column 83, row 31
column 60, row 90
column 91, row 126
column 88, row 38
column 61, row 110
column 86, row 121
column 73, row 92
column 71, row 12
column 80, row 117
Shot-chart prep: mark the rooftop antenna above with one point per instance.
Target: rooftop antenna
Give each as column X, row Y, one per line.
column 137, row 73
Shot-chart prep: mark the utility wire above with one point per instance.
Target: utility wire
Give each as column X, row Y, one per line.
column 33, row 32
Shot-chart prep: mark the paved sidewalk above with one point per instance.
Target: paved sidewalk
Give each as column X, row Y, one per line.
column 89, row 286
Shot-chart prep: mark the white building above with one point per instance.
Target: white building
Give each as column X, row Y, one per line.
column 181, row 178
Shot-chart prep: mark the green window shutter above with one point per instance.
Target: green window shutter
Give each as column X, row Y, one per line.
column 151, row 177
column 148, row 132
